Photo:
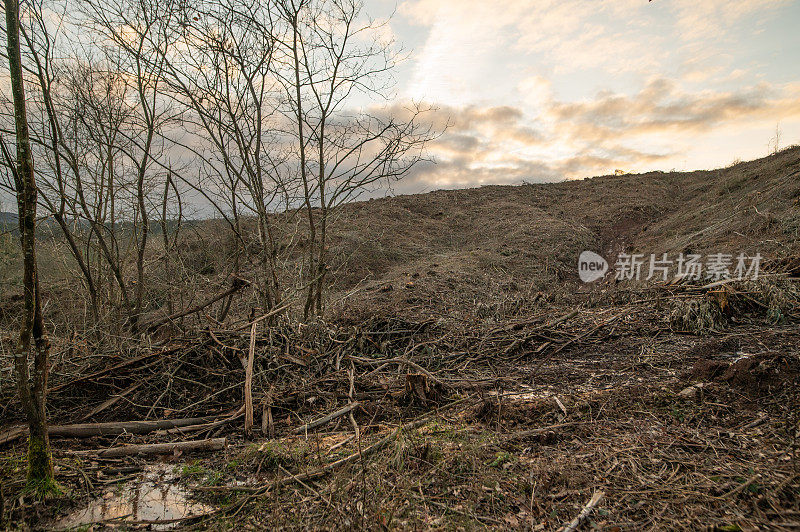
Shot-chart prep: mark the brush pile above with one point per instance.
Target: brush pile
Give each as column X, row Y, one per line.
column 660, row 410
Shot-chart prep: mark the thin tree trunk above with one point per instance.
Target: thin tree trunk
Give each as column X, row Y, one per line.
column 165, row 237
column 87, row 274
column 32, row 387
column 323, row 217
column 248, row 381
column 142, row 244
column 59, row 213
column 303, row 172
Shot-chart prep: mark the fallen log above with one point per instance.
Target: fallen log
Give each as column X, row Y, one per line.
column 208, row 426
column 214, row 444
column 115, row 428
column 112, row 428
column 326, row 419
column 12, row 433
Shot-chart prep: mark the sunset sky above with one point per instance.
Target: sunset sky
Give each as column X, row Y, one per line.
column 545, row 90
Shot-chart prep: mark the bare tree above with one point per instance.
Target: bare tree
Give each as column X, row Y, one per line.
column 83, row 136
column 331, row 57
column 170, row 242
column 222, row 73
column 82, row 141
column 775, row 141
column 93, row 102
column 45, row 131
column 31, row 384
column 138, row 31
column 265, row 110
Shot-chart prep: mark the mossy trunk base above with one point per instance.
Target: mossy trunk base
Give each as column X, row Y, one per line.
column 41, row 480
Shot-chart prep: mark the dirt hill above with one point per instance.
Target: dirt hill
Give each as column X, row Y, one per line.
column 497, row 244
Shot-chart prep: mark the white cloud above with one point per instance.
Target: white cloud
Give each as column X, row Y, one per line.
column 650, row 129
column 590, row 86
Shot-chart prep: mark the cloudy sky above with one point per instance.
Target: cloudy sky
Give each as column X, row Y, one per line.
column 542, row 90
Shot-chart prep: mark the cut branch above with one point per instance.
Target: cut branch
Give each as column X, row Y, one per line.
column 590, row 506
column 326, row 419
column 237, row 285
column 248, row 380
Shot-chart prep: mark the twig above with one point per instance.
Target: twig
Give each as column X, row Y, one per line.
column 111, row 401
column 740, row 487
column 325, row 419
column 312, row 490
column 401, row 361
column 587, row 510
column 236, row 285
column 577, row 338
column 115, row 367
column 209, row 426
column 269, row 314
column 542, row 430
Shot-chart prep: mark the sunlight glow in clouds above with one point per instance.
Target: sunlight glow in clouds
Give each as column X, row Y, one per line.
column 548, row 89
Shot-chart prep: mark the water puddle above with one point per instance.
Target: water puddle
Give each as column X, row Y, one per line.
column 156, row 498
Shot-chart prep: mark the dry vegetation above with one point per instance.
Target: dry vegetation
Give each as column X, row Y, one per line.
column 494, row 390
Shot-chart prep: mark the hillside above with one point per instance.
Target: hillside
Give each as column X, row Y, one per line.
column 462, row 378
column 496, row 243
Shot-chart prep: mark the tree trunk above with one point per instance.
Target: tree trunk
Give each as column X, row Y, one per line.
column 40, row 462
column 32, row 387
column 294, row 18
column 323, row 210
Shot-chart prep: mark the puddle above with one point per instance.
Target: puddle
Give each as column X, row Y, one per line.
column 156, row 496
